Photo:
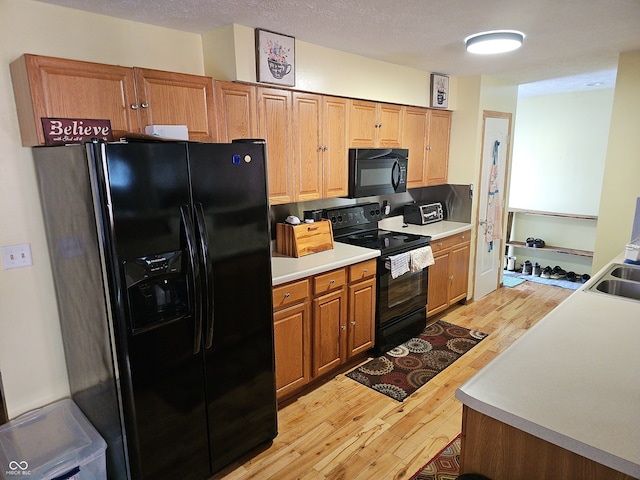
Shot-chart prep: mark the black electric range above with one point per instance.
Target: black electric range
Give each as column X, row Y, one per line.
column 401, row 306
column 358, row 225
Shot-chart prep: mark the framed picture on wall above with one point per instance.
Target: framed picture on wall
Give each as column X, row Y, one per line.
column 275, row 58
column 439, row 91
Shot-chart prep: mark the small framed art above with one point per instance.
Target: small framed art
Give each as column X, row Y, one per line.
column 439, row 91
column 275, row 58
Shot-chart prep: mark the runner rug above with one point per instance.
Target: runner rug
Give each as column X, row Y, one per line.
column 444, row 466
column 401, row 371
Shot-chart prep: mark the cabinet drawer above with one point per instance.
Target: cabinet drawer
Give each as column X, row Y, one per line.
column 328, row 281
column 291, row 293
column 448, row 242
column 362, row 270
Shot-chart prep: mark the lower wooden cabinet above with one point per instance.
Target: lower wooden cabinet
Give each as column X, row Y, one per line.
column 292, row 336
column 321, row 322
column 362, row 308
column 449, row 275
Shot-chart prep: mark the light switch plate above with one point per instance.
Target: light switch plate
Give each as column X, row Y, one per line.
column 16, row 256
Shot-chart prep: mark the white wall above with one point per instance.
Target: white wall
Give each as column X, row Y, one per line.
column 560, row 144
column 321, row 70
column 621, row 184
column 559, row 151
column 31, row 355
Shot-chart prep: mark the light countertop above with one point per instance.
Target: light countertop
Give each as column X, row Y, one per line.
column 573, row 380
column 287, row 269
column 436, row 230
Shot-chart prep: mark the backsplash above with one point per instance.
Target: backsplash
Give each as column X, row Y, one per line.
column 455, row 199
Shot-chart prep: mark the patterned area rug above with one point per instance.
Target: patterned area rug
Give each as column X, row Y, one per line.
column 444, row 466
column 401, row 371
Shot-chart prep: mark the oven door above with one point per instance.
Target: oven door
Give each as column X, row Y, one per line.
column 399, row 296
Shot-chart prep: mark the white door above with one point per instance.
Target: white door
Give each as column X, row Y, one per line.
column 491, row 202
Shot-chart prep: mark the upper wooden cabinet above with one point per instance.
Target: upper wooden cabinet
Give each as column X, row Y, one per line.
column 130, row 98
column 415, row 123
column 307, row 145
column 439, row 133
column 320, row 146
column 236, row 111
column 168, row 98
column 426, row 134
column 373, row 124
column 274, row 126
column 60, row 88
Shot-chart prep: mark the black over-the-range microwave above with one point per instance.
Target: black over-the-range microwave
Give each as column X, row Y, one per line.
column 377, row 171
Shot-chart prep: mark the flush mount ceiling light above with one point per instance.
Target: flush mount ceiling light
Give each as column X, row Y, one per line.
column 498, row 41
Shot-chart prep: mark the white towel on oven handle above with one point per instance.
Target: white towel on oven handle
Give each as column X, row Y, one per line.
column 421, row 258
column 398, row 264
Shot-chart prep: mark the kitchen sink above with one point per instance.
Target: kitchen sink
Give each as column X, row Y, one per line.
column 627, row 272
column 619, row 280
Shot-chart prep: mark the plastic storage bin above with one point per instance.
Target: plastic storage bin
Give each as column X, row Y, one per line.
column 55, row 442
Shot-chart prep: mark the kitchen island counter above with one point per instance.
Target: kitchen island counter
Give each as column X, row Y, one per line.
column 572, row 380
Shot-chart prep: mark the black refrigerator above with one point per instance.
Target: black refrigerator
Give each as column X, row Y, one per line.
column 161, row 260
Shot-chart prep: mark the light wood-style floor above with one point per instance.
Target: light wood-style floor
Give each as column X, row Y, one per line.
column 343, row 430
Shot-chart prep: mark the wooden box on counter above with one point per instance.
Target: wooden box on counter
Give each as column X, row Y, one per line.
column 304, row 239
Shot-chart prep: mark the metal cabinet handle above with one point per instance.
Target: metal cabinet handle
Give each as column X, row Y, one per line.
column 365, row 270
column 343, row 327
column 134, row 106
column 144, row 105
column 353, row 323
column 332, row 281
column 287, row 295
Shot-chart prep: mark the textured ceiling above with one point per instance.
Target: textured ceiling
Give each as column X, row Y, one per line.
column 568, row 44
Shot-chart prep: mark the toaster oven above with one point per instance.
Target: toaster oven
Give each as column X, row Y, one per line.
column 417, row 214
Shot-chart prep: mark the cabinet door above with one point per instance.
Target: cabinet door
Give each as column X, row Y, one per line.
column 307, row 150
column 438, row 147
column 60, row 88
column 389, row 128
column 459, row 271
column 362, row 124
column 329, row 331
column 168, row 98
column 236, row 111
column 292, row 341
column 361, row 318
column 335, row 143
column 438, row 287
column 274, row 125
column 414, row 137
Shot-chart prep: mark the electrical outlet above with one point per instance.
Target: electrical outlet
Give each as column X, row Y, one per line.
column 16, row 256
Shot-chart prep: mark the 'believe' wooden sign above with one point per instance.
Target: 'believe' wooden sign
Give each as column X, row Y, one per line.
column 61, row 131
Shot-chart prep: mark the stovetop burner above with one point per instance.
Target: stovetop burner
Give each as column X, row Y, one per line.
column 384, row 240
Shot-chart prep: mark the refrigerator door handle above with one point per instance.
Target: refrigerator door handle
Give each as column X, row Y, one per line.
column 208, row 281
column 185, row 213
